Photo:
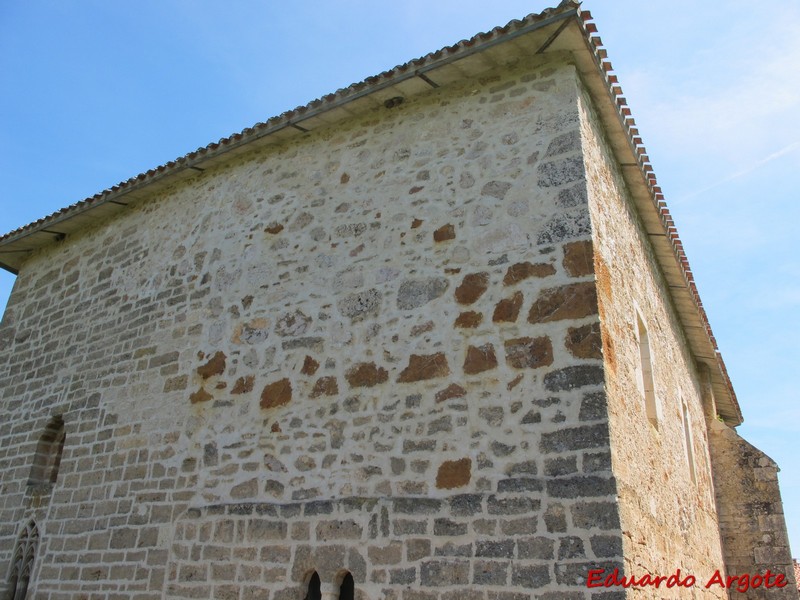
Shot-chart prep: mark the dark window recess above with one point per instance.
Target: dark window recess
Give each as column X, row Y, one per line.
column 47, row 459
column 313, row 592
column 347, row 590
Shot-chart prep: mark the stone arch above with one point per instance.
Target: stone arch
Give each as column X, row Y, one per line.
column 22, row 561
column 47, row 459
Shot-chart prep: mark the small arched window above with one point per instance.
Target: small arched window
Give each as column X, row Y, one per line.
column 22, row 562
column 47, row 459
column 645, row 374
column 313, row 592
column 348, row 588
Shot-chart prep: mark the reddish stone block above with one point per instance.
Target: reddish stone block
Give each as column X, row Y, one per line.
column 507, row 310
column 444, row 233
column 472, row 287
column 585, row 342
column 454, row 474
column 278, row 393
column 468, row 320
column 529, row 353
column 243, row 385
column 525, row 270
column 422, row 367
column 214, row 366
column 572, row 301
column 310, row 366
column 366, row 375
column 479, row 359
column 579, row 258
column 451, row 391
column 200, row 396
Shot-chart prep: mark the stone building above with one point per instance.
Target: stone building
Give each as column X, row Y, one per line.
column 432, row 336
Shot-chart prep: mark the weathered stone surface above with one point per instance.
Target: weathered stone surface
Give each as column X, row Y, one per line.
column 496, row 189
column 530, row 577
column 424, row 367
column 555, row 518
column 278, row 393
column 292, row 324
column 468, row 320
column 246, row 489
column 507, row 310
column 560, row 171
column 479, row 359
column 572, row 301
column 602, row 515
column 539, row 548
column 444, row 233
column 200, row 396
column 448, row 527
column 585, row 341
column 566, row 142
column 565, row 226
column 593, row 407
column 495, row 549
column 214, row 366
column 244, row 385
column 454, row 474
column 606, row 546
column 581, row 487
column 525, row 270
column 579, row 258
column 325, row 386
column 451, row 391
column 575, row 438
column 361, row 305
column 414, row 293
column 465, row 505
column 366, row 375
column 529, row 353
column 436, row 573
column 485, row 572
column 573, row 377
column 345, row 529
column 251, row 332
column 310, row 366
column 472, row 287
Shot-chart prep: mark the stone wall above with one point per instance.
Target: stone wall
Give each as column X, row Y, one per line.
column 667, row 507
column 375, row 349
column 752, row 524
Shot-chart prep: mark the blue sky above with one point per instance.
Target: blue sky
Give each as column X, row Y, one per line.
column 96, row 92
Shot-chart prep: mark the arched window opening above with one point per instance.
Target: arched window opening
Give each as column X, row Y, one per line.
column 22, row 562
column 646, row 383
column 313, row 592
column 347, row 590
column 47, row 459
column 688, row 440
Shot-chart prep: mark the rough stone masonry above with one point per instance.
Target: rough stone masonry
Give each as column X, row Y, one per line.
column 401, row 347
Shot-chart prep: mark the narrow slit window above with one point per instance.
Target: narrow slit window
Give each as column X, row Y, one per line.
column 347, row 590
column 47, row 459
column 313, row 592
column 22, row 562
column 688, row 440
column 646, row 384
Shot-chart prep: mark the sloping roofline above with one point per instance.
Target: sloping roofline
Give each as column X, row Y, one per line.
column 564, row 28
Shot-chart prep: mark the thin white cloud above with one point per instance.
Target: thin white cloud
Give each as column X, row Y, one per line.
column 755, row 166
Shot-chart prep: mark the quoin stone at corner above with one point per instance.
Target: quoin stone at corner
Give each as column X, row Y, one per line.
column 430, row 337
